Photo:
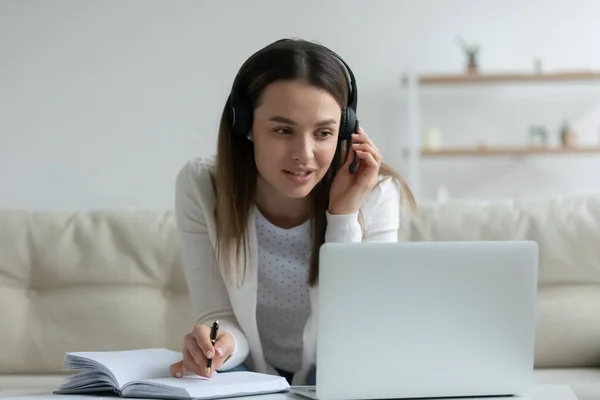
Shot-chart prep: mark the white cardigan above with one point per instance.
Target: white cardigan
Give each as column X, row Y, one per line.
column 234, row 305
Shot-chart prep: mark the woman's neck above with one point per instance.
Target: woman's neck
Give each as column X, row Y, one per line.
column 281, row 211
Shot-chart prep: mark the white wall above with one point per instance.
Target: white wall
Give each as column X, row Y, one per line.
column 101, row 102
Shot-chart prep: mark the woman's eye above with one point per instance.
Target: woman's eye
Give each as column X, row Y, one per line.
column 324, row 134
column 283, row 131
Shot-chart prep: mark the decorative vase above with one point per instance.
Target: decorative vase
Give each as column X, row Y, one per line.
column 432, row 139
column 568, row 136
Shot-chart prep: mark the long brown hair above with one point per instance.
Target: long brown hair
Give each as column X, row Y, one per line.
column 236, row 174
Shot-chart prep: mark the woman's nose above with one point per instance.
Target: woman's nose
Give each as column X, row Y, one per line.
column 303, row 148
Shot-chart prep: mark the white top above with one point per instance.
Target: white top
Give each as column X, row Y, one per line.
column 283, row 302
column 235, row 304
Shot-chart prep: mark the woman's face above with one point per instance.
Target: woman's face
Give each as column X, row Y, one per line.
column 295, row 135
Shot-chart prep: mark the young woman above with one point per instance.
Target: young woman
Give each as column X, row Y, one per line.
column 293, row 171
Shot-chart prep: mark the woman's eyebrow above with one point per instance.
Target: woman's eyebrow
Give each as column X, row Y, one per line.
column 284, row 120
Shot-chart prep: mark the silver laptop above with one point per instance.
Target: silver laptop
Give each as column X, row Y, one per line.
column 425, row 319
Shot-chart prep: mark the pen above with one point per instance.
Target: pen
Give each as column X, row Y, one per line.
column 213, row 337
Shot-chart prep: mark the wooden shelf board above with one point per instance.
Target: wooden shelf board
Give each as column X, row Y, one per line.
column 507, row 151
column 450, row 79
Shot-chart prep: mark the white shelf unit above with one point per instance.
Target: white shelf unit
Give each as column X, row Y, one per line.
column 413, row 151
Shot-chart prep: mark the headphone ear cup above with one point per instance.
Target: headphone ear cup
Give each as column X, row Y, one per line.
column 230, row 115
column 348, row 124
column 342, row 133
column 240, row 120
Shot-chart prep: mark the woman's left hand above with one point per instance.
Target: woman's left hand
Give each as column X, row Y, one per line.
column 348, row 190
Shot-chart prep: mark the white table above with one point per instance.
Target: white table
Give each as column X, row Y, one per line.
column 539, row 392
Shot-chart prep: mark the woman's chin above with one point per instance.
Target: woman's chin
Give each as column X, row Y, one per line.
column 297, row 193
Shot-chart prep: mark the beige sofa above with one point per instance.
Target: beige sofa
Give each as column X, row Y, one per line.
column 110, row 280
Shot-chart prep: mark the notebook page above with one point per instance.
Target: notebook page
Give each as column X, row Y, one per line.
column 225, row 384
column 131, row 365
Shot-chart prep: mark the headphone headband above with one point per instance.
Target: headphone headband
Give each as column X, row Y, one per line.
column 240, row 117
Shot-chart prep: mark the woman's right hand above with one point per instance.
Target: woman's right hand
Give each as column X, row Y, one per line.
column 197, row 349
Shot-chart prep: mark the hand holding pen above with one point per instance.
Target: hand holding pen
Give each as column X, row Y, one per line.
column 205, row 350
column 213, row 339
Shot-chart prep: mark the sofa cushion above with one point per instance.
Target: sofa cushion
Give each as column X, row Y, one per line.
column 568, row 326
column 105, row 280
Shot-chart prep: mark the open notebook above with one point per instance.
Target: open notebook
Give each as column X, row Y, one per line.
column 145, row 373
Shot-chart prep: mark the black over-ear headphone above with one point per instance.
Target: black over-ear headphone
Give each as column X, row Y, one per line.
column 239, row 113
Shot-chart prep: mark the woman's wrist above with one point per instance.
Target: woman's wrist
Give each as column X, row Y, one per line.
column 341, row 211
column 346, row 205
